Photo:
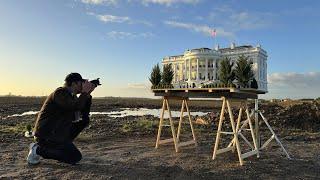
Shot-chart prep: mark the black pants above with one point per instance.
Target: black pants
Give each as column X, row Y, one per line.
column 65, row 152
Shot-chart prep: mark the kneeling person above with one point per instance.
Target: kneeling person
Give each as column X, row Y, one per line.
column 58, row 122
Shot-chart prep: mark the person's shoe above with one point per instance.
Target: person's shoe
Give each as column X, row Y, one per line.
column 33, row 158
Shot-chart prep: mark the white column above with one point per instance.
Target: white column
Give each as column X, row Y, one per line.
column 265, row 71
column 185, row 70
column 174, row 72
column 259, row 71
column 189, row 70
column 197, row 69
column 214, row 69
column 206, row 75
column 179, row 71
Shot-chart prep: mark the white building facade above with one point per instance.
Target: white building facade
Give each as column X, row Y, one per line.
column 200, row 66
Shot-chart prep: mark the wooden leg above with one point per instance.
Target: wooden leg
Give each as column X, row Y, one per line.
column 160, row 123
column 274, row 136
column 180, row 121
column 239, row 117
column 190, row 121
column 172, row 128
column 252, row 132
column 237, row 128
column 235, row 133
column 219, row 128
column 256, row 122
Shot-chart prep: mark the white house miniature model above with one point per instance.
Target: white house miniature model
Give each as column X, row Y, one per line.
column 200, row 66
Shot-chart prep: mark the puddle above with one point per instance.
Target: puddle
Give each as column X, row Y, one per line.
column 144, row 111
column 126, row 112
column 23, row 114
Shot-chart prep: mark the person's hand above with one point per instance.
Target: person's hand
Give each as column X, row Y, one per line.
column 87, row 87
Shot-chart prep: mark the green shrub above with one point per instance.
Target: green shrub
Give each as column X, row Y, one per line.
column 243, row 71
column 226, row 74
column 155, row 76
column 167, row 74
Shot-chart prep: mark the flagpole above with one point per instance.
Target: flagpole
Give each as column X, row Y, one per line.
column 214, row 35
column 215, row 40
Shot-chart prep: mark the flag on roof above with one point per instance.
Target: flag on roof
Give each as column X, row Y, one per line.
column 213, row 33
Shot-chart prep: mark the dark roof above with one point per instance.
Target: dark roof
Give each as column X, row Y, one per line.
column 176, row 56
column 201, row 48
column 236, row 48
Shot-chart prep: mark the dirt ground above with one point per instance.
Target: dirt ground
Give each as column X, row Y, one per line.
column 123, row 148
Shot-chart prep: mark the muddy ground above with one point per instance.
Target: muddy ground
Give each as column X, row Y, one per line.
column 123, row 148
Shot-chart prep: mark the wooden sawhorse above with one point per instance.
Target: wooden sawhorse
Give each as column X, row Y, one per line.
column 175, row 138
column 236, row 131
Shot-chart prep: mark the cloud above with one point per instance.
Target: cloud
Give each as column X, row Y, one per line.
column 100, row 2
column 295, row 80
column 169, row 2
column 138, row 85
column 113, row 19
column 125, row 90
column 147, row 23
column 107, row 18
column 304, row 11
column 128, row 35
column 144, row 2
column 206, row 30
column 293, row 85
column 237, row 20
column 134, row 90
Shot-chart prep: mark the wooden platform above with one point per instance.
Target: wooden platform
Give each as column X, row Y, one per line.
column 239, row 124
column 244, row 93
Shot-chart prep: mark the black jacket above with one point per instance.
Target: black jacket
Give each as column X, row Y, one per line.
column 57, row 113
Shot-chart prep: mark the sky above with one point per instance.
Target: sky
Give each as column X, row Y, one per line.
column 41, row 41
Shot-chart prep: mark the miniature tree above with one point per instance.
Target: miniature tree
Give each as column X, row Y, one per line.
column 226, row 74
column 155, row 77
column 167, row 74
column 243, row 71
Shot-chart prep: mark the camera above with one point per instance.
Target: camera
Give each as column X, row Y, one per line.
column 96, row 82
